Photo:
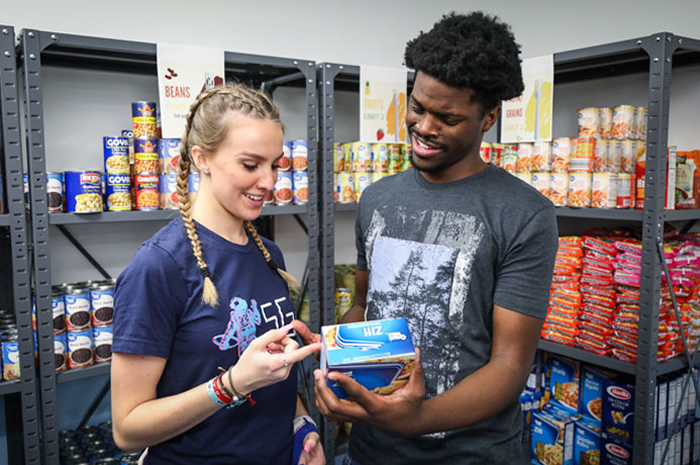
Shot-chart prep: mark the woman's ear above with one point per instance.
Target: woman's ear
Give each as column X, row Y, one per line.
column 200, row 158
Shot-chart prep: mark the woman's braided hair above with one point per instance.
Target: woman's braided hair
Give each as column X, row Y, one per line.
column 206, row 127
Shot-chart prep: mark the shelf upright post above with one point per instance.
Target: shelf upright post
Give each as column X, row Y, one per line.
column 660, row 49
column 21, row 290
column 32, row 43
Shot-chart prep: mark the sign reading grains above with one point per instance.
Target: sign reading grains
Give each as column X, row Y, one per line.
column 83, row 191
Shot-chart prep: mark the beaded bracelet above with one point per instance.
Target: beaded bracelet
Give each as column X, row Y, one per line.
column 219, row 393
column 222, row 386
column 212, row 394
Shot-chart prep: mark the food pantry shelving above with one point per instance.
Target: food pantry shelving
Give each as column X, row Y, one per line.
column 655, row 55
column 20, row 396
column 40, row 49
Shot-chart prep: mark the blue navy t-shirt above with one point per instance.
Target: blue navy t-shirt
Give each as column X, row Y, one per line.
column 159, row 312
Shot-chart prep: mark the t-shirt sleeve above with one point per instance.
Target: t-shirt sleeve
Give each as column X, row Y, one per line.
column 524, row 278
column 360, row 240
column 149, row 295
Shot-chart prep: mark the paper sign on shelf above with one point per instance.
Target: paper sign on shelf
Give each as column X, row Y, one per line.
column 383, row 104
column 528, row 118
column 183, row 72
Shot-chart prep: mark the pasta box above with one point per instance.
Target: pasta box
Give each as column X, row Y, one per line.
column 552, row 439
column 586, row 443
column 592, row 395
column 378, row 354
column 564, row 384
column 618, row 411
column 613, row 452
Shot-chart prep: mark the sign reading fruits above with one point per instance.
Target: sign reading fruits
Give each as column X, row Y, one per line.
column 183, row 72
column 528, row 118
column 383, row 104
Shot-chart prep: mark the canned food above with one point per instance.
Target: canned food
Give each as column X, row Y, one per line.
column 343, row 301
column 579, row 189
column 623, row 122
column 509, row 158
column 10, row 357
column 54, row 192
column 406, row 154
column 627, row 156
column 588, row 121
column 146, row 155
column 299, row 155
column 541, row 181
column 346, row 187
column 395, row 158
column 193, row 185
column 525, row 177
column 380, row 157
column 80, row 348
column 284, row 188
column 362, row 180
column 285, row 163
column 169, row 155
column 347, row 156
column 77, row 308
column 524, row 163
column 129, row 134
column 102, row 338
column 147, row 187
column 604, row 190
column 168, row 192
column 600, row 156
column 83, row 191
column 338, row 157
column 60, row 348
column 625, row 190
column 116, row 154
column 561, row 155
column 640, row 123
column 541, row 156
column 559, row 189
column 118, row 193
column 362, row 157
column 496, row 151
column 582, row 157
column 144, row 119
column 102, row 305
column 485, row 151
column 58, row 308
column 300, row 185
column 25, row 177
column 605, row 121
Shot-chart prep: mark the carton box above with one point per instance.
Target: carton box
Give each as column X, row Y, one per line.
column 613, row 452
column 586, row 443
column 564, row 384
column 552, row 439
column 592, row 395
column 618, row 411
column 377, row 354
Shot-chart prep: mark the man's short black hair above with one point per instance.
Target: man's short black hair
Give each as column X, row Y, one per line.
column 475, row 51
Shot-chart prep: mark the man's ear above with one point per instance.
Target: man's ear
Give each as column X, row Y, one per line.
column 490, row 118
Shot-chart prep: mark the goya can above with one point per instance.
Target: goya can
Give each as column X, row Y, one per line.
column 118, row 193
column 77, row 308
column 60, row 349
column 102, row 305
column 300, row 154
column 193, row 185
column 129, row 134
column 561, row 155
column 604, row 190
column 559, row 189
column 116, row 154
column 147, row 186
column 285, row 163
column 362, row 157
column 54, row 192
column 83, row 191
column 169, row 155
column 80, row 348
column 284, row 188
column 588, row 122
column 58, row 310
column 380, row 157
column 300, row 186
column 146, row 155
column 144, row 119
column 168, row 192
column 346, row 187
column 541, row 181
column 362, row 180
column 579, row 189
column 623, row 122
column 102, row 339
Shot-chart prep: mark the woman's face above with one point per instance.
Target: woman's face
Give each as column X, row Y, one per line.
column 243, row 170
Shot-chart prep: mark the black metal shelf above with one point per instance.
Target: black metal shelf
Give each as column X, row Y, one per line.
column 4, row 219
column 83, row 373
column 682, row 215
column 10, row 387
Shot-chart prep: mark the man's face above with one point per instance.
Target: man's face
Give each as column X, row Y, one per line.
column 446, row 129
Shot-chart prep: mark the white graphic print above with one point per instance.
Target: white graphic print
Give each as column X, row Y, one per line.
column 424, row 277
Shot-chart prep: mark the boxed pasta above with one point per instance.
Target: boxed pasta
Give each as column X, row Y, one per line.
column 592, row 395
column 378, row 354
column 552, row 439
column 564, row 380
column 618, row 410
column 586, row 443
column 614, row 453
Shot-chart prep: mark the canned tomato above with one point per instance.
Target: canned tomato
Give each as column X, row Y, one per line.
column 588, row 121
column 559, row 188
column 118, row 192
column 146, row 155
column 509, row 158
column 362, row 180
column 83, row 191
column 80, row 348
column 300, row 186
column 169, row 155
column 625, row 190
column 346, row 187
column 380, row 157
column 561, row 155
column 604, row 190
column 338, row 157
column 541, row 156
column 285, row 163
column 77, row 308
column 300, row 155
column 102, row 305
column 582, row 157
column 627, row 156
column 54, row 192
column 168, row 192
column 60, row 348
column 395, row 155
column 362, row 157
column 193, row 185
column 58, row 310
column 524, row 163
column 144, row 119
column 116, row 154
column 102, row 339
column 284, row 188
column 541, row 181
column 605, row 116
column 579, row 190
column 623, row 122
column 147, row 187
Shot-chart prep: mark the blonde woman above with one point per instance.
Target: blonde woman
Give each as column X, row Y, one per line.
column 203, row 364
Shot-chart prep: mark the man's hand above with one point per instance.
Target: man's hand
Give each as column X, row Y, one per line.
column 400, row 412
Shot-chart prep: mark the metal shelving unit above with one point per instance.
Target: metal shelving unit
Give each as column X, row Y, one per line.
column 655, row 55
column 21, row 400
column 41, row 48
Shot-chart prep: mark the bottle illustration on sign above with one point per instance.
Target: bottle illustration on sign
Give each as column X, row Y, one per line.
column 396, row 117
column 538, row 111
column 367, row 88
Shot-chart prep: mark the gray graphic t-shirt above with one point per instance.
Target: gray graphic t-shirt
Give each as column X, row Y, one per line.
column 441, row 255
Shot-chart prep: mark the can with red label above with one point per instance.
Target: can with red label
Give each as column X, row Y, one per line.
column 116, row 154
column 58, row 310
column 582, row 157
column 147, row 187
column 284, row 190
column 625, row 190
column 169, row 155
column 168, row 192
column 102, row 340
column 118, row 193
column 146, row 155
column 144, row 119
column 300, row 185
column 80, row 348
column 83, row 191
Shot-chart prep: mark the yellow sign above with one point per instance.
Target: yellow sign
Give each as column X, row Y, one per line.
column 382, row 104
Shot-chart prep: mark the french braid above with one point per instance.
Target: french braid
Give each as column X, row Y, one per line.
column 206, row 127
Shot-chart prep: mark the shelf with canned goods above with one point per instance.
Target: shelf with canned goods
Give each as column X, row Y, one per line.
column 129, row 70
column 10, row 387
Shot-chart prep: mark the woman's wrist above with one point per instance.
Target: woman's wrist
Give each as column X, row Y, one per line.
column 234, row 384
column 300, row 420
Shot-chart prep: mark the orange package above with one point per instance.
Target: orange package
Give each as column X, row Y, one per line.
column 688, row 180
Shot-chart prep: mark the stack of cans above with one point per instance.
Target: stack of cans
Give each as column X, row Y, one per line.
column 292, row 186
column 169, row 158
column 93, row 445
column 9, row 346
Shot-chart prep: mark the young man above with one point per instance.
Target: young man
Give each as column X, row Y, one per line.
column 464, row 251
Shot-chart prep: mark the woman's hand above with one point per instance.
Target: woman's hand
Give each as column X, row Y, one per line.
column 313, row 451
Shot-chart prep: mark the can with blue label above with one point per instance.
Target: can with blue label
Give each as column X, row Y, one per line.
column 77, row 301
column 102, row 338
column 10, row 356
column 193, row 185
column 168, row 192
column 116, row 154
column 118, row 191
column 83, row 191
column 58, row 307
column 102, row 305
column 80, row 348
column 60, row 349
column 54, row 192
column 169, row 155
column 299, row 155
column 300, row 183
column 25, row 177
column 283, row 188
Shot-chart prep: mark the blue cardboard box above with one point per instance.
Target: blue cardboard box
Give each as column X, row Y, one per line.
column 564, row 379
column 618, row 411
column 552, row 439
column 613, row 452
column 378, row 354
column 592, row 395
column 586, row 443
